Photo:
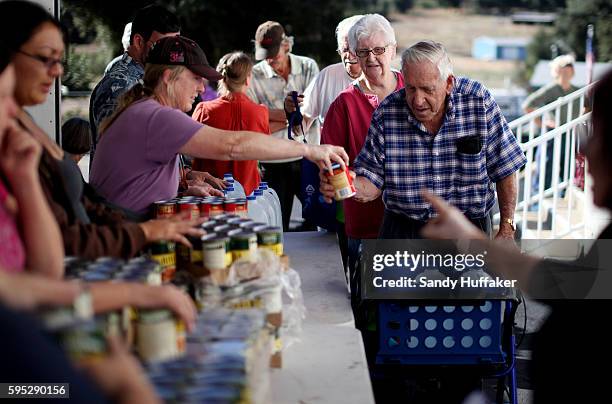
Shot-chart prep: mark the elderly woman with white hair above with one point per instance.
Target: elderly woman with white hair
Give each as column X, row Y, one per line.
column 372, row 40
column 330, row 81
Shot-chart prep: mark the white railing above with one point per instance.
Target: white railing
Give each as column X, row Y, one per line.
column 551, row 207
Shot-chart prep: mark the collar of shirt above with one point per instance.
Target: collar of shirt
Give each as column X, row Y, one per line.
column 296, row 68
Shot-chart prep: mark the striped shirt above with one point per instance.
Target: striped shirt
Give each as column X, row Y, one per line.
column 401, row 157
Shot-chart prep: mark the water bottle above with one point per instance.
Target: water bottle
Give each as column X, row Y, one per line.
column 272, row 197
column 255, row 210
column 229, row 192
column 239, row 189
column 270, row 211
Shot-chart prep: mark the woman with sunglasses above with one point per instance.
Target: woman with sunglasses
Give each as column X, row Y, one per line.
column 347, row 122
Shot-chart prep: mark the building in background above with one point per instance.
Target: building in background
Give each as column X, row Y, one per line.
column 489, row 48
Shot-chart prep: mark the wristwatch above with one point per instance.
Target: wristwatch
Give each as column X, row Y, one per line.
column 510, row 222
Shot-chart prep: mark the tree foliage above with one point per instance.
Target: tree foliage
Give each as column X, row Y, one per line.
column 572, row 24
column 220, row 26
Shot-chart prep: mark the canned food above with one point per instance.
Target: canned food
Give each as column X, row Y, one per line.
column 216, row 208
column 222, row 228
column 204, row 209
column 85, row 340
column 239, row 221
column 243, row 245
column 341, row 181
column 190, row 208
column 164, row 209
column 216, row 253
column 230, row 205
column 209, row 226
column 271, row 238
column 241, row 207
column 189, row 258
column 164, row 252
column 252, row 225
column 157, row 337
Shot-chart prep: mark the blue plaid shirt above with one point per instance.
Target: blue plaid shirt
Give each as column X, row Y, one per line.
column 401, row 157
column 105, row 96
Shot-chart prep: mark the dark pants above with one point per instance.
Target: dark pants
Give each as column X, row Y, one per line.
column 343, row 244
column 396, row 226
column 285, row 178
column 354, row 257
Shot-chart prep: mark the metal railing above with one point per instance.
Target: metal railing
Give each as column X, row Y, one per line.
column 549, row 205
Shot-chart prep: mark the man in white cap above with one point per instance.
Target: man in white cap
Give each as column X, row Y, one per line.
column 279, row 73
column 562, row 72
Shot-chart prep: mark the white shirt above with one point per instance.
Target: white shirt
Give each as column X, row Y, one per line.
column 270, row 89
column 324, row 89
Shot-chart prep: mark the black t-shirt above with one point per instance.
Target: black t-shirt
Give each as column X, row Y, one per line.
column 573, row 350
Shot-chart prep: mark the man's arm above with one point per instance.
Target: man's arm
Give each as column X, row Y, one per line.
column 278, row 120
column 366, row 191
column 506, row 197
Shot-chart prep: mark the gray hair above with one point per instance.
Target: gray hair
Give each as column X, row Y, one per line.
column 369, row 25
column 343, row 28
column 431, row 51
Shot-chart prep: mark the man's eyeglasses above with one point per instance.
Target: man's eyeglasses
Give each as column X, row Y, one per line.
column 377, row 51
column 47, row 61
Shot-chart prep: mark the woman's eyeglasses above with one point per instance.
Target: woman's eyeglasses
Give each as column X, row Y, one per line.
column 377, row 51
column 49, row 62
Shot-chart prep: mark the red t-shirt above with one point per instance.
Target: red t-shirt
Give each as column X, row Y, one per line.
column 346, row 124
column 235, row 113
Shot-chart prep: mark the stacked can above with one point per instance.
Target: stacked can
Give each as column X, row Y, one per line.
column 210, row 206
column 140, row 269
column 225, row 361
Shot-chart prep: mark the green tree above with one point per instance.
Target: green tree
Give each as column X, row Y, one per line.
column 572, row 24
column 220, row 26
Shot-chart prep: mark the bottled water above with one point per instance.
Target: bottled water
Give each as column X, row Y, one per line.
column 238, row 188
column 255, row 210
column 273, row 200
column 268, row 207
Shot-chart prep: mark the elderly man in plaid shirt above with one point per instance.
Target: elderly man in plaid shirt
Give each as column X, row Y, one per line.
column 441, row 133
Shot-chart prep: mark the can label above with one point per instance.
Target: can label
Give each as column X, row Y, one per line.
column 168, row 265
column 181, row 336
column 241, row 209
column 164, row 209
column 275, row 248
column 255, row 303
column 243, row 246
column 231, row 207
column 205, row 209
column 192, row 209
column 342, row 183
column 216, row 210
column 215, row 254
column 157, row 340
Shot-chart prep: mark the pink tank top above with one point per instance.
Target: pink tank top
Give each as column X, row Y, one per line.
column 12, row 251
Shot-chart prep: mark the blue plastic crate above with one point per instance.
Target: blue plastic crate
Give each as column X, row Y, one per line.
column 424, row 333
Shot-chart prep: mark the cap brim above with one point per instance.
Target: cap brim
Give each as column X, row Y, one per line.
column 265, row 53
column 207, row 72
